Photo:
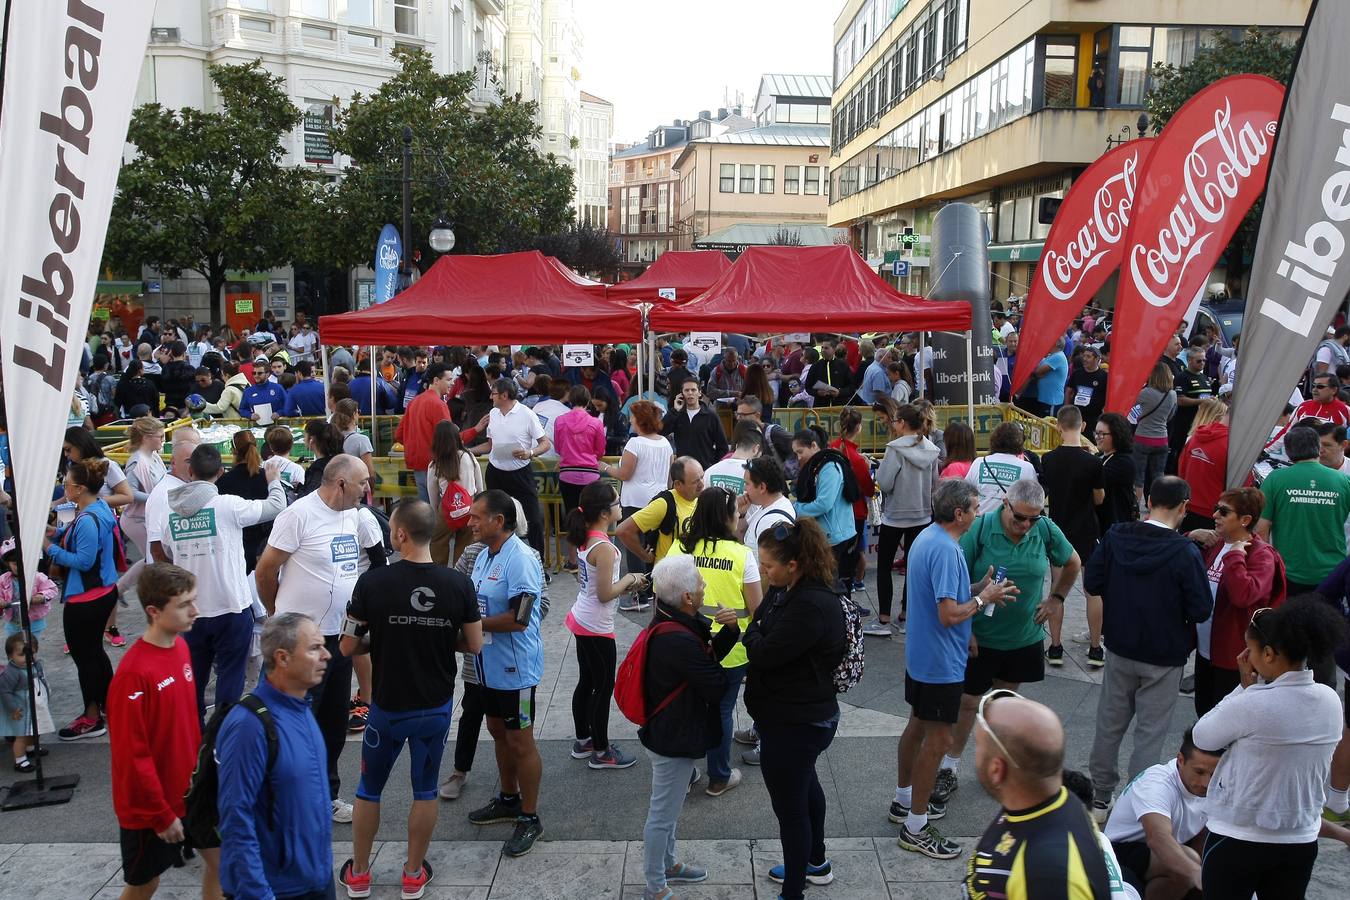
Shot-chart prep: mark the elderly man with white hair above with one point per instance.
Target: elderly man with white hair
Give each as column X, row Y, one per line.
column 683, row 686
column 1021, row 541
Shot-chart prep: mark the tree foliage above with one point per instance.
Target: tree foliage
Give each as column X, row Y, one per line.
column 587, row 248
column 481, row 168
column 207, row 191
column 786, row 237
column 1259, row 52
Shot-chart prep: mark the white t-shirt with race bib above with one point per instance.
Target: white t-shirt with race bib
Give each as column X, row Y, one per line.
column 992, row 475
column 728, row 474
column 1157, row 789
column 327, row 549
column 547, row 412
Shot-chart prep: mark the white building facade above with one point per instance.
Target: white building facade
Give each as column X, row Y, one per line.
column 592, row 177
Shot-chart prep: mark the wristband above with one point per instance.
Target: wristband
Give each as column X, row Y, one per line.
column 1061, row 597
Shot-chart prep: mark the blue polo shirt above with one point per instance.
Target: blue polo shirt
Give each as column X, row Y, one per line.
column 935, row 653
column 509, row 661
column 1050, row 386
column 267, row 392
column 307, row 398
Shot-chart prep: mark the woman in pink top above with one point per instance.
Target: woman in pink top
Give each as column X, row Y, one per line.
column 579, row 438
column 960, row 443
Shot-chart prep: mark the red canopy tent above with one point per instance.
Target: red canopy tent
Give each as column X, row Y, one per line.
column 515, row 297
column 771, row 290
column 592, row 287
column 687, row 272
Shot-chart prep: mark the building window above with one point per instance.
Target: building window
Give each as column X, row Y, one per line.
column 812, row 180
column 316, row 8
column 405, row 16
column 247, row 24
column 318, row 122
column 792, row 179
column 317, row 32
column 766, row 176
column 1061, row 67
column 747, row 179
column 360, row 12
column 361, row 39
column 728, row 179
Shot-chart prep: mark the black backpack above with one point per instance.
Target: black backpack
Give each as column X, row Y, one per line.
column 669, row 522
column 851, row 491
column 202, row 819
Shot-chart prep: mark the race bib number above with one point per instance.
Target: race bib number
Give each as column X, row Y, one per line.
column 1083, row 396
column 194, row 535
column 483, row 614
column 728, row 482
column 345, row 553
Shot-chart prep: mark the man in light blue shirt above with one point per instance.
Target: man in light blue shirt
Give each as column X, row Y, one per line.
column 876, row 383
column 1051, row 376
column 509, row 581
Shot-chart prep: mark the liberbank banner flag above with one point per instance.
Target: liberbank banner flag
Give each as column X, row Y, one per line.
column 388, row 252
column 1300, row 274
column 1207, row 169
column 1083, row 248
column 71, row 72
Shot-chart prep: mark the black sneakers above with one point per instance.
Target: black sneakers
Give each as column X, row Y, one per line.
column 497, row 810
column 528, row 830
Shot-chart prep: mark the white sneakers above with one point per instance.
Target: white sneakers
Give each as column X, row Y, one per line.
column 342, row 811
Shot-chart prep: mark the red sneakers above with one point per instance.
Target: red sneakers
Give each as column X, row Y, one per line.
column 356, row 885
column 415, row 885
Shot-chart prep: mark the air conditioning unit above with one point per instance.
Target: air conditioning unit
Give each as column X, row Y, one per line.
column 163, row 35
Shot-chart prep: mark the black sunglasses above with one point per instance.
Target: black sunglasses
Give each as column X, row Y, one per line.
column 783, row 531
column 1018, row 517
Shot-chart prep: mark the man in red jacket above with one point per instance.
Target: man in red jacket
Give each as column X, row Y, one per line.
column 1204, row 465
column 418, row 425
column 154, row 734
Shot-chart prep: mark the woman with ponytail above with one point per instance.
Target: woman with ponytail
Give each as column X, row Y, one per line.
column 248, row 479
column 1277, row 731
column 591, row 621
column 144, row 469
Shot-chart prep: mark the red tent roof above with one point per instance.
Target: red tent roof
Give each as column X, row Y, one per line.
column 688, row 272
column 592, row 287
column 771, row 290
column 516, row 298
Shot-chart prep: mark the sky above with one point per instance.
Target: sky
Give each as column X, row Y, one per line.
column 657, row 63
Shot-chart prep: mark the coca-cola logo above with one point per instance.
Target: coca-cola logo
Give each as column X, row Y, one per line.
column 1221, row 165
column 1086, row 248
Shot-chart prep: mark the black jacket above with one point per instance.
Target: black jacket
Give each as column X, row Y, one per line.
column 134, row 391
column 702, row 437
column 1154, row 590
column 177, row 381
column 839, row 377
column 794, row 644
column 692, row 724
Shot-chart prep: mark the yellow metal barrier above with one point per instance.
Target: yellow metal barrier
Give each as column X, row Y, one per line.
column 1040, row 434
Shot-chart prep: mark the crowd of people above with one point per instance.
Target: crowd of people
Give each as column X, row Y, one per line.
column 749, row 551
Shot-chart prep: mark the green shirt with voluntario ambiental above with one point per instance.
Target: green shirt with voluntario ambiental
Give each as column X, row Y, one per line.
column 1307, row 505
column 986, row 544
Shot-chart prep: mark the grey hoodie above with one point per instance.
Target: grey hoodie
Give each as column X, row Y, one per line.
column 192, row 498
column 906, row 477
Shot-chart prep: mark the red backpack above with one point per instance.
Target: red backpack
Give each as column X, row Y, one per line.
column 455, row 503
column 629, row 689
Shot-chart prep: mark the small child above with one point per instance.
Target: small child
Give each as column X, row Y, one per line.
column 40, row 602
column 14, row 708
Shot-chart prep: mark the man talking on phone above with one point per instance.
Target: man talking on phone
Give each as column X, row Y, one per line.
column 508, row 579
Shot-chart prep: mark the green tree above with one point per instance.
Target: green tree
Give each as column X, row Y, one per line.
column 482, row 169
column 586, row 248
column 1259, row 52
column 207, row 191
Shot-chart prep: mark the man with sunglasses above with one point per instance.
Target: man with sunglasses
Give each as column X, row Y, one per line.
column 1325, row 403
column 1154, row 591
column 1006, row 647
column 940, row 610
column 1042, row 843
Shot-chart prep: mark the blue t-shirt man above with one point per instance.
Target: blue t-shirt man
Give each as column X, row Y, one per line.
column 936, row 653
column 267, row 392
column 1050, row 386
column 509, row 661
column 306, row 398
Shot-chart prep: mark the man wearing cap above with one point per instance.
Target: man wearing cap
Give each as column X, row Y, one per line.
column 262, row 391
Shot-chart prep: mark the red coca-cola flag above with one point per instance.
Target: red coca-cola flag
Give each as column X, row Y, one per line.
column 1084, row 247
column 1207, row 169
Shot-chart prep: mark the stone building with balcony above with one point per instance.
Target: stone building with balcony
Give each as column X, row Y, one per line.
column 998, row 104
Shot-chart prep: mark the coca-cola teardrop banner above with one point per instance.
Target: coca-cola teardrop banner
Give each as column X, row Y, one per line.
column 1206, row 170
column 1083, row 248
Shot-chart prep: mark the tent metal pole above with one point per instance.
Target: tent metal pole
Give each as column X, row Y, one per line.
column 327, row 377
column 919, row 377
column 970, row 378
column 374, row 410
column 641, row 367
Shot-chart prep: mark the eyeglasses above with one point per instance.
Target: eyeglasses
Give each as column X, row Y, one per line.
column 1019, row 517
column 1323, row 386
column 984, row 723
column 1255, row 623
column 1222, row 510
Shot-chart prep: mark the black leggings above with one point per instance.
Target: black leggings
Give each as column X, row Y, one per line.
column 84, row 624
column 470, row 726
column 330, row 699
column 889, row 541
column 520, row 484
column 596, row 659
column 787, row 755
column 1234, row 869
column 1212, row 684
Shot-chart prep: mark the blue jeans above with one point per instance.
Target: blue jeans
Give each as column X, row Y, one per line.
column 420, row 478
column 670, row 783
column 222, row 642
column 719, row 757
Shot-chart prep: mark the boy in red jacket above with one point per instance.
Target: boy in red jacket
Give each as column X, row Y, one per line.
column 155, row 735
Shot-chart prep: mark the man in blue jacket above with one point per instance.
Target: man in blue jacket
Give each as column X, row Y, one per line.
column 1154, row 591
column 263, row 391
column 306, row 398
column 276, row 826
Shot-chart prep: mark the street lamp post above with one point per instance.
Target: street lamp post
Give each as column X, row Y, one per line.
column 405, row 276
